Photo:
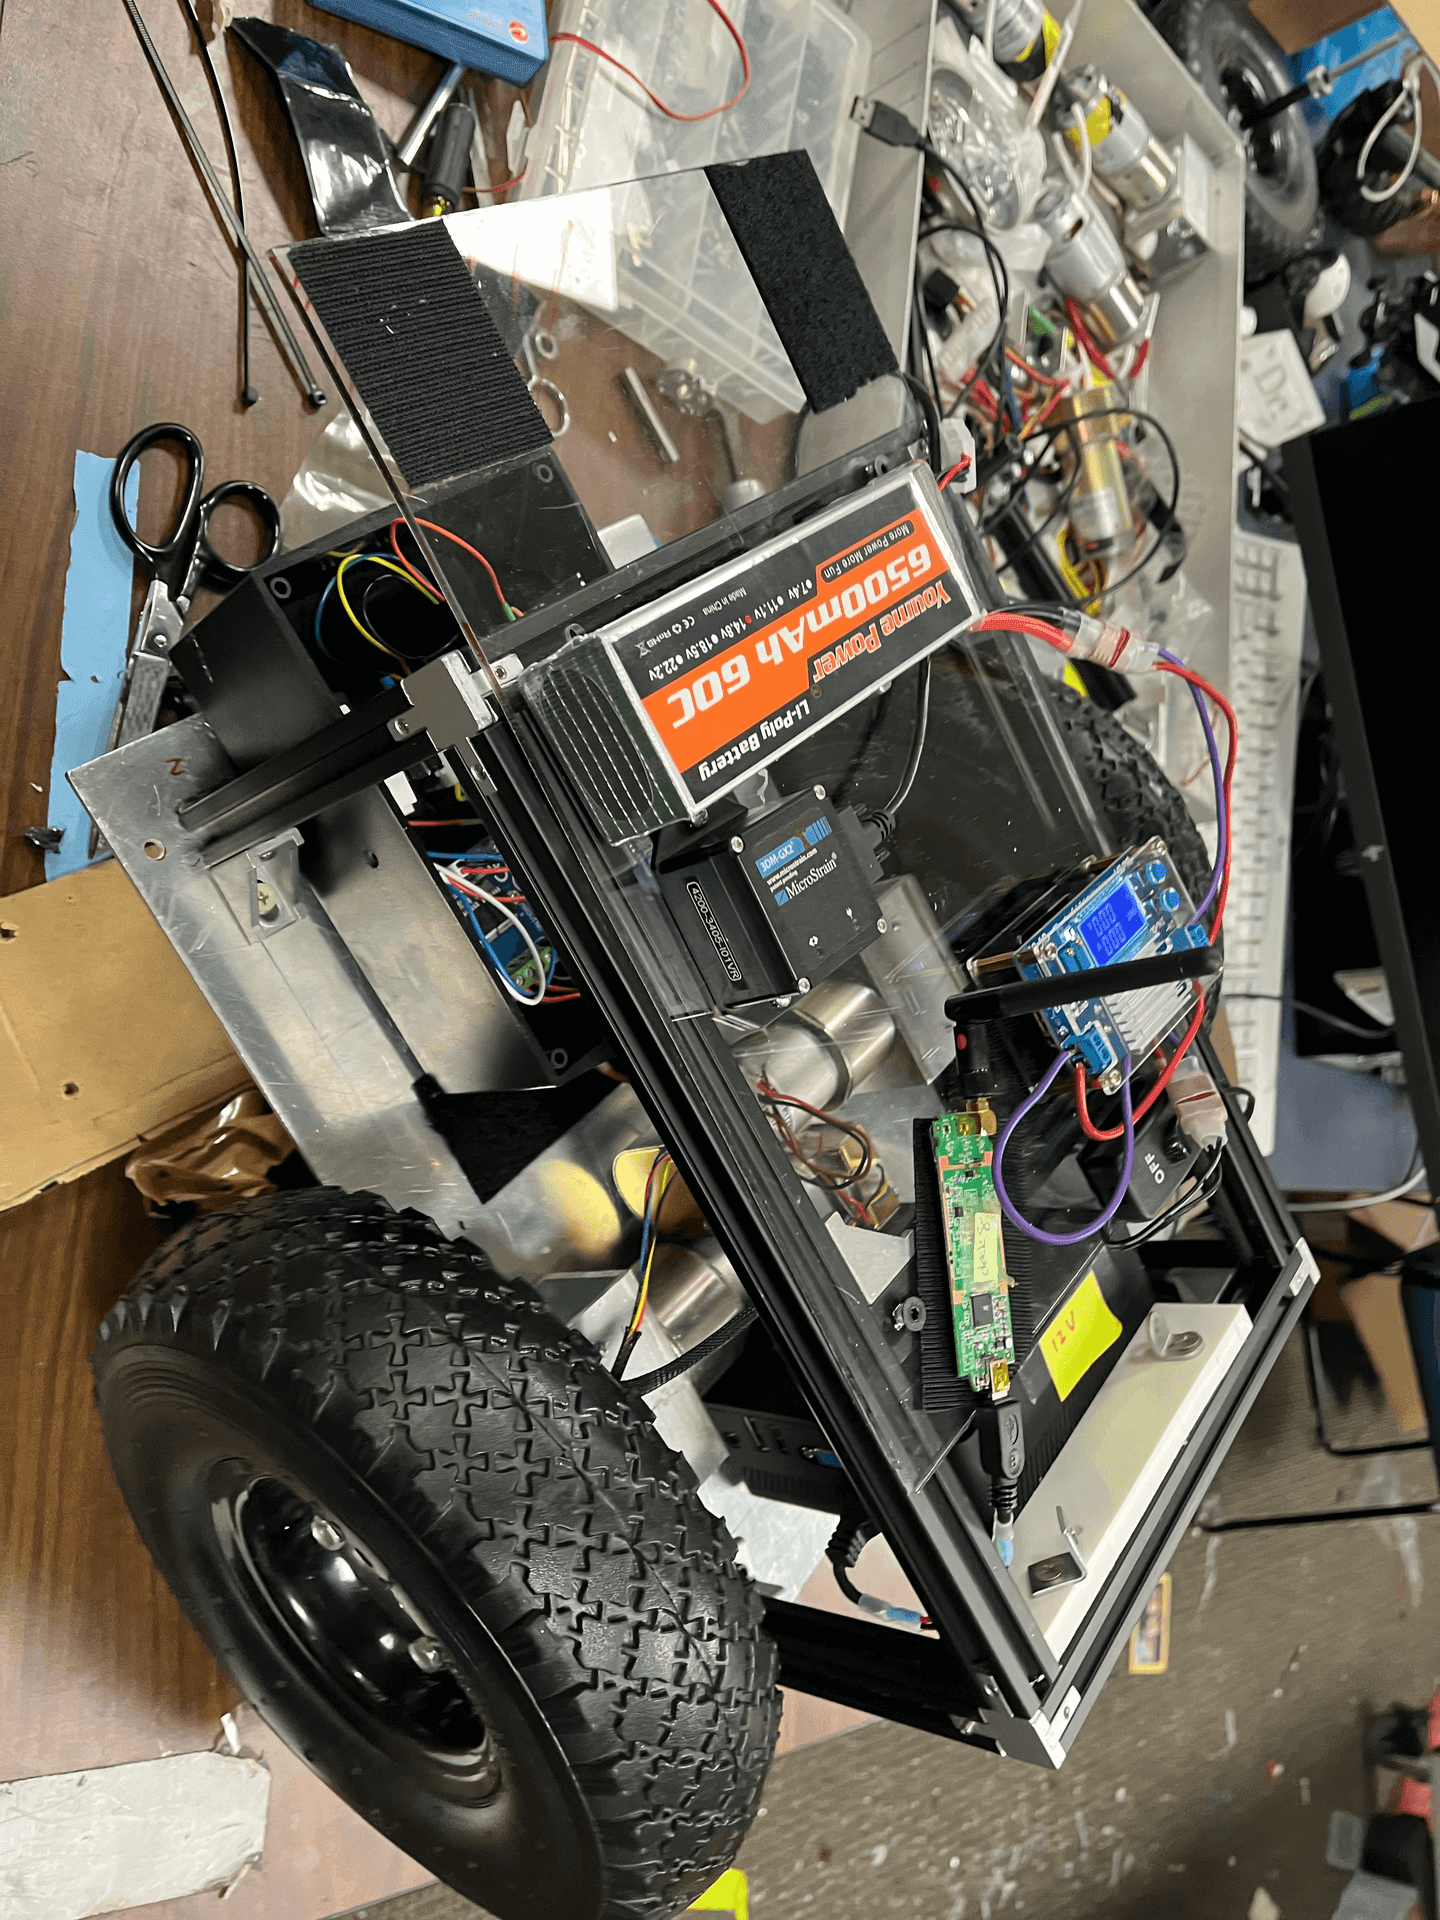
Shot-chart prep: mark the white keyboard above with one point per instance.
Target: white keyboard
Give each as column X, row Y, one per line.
column 1267, row 613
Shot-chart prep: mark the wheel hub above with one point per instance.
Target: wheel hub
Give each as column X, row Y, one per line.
column 1245, row 89
column 338, row 1604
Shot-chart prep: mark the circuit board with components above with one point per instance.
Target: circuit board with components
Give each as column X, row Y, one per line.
column 974, row 1253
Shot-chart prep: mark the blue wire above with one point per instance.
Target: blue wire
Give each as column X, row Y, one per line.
column 319, row 610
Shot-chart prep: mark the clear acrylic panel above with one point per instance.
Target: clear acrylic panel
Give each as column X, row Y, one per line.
column 822, row 1043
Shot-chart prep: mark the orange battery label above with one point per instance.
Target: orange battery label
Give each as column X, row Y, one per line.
column 734, row 670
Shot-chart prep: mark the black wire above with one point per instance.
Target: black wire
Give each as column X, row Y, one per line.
column 1139, row 413
column 999, row 272
column 248, row 394
column 920, row 335
column 1207, row 1185
column 846, row 1585
column 1248, row 1095
column 884, row 817
column 932, row 418
column 1375, row 1032
column 1012, row 555
column 713, row 1343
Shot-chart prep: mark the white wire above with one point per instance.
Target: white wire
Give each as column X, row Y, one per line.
column 1041, row 97
column 458, row 879
column 1409, row 92
column 1362, row 1199
column 1087, row 158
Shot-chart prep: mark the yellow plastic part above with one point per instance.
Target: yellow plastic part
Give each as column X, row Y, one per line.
column 729, row 1895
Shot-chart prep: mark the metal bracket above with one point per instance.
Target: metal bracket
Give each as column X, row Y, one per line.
column 1172, row 1343
column 447, row 702
column 275, row 883
column 1065, row 1569
column 1307, row 1269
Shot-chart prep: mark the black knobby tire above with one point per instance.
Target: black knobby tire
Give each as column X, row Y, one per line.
column 1237, row 62
column 444, row 1553
column 1134, row 796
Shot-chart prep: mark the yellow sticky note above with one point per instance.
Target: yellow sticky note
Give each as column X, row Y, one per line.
column 1080, row 1332
column 987, row 1269
column 729, row 1895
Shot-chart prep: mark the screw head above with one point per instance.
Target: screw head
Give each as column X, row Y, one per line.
column 326, row 1534
column 737, row 845
column 882, row 924
column 802, row 984
column 819, row 793
column 427, row 1654
column 814, row 939
column 400, row 727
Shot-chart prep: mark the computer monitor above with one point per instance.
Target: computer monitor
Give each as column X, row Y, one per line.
column 1363, row 505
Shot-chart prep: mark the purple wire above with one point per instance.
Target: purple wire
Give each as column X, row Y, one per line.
column 1122, row 1185
column 1223, row 825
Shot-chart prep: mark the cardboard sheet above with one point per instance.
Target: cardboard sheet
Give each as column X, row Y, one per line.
column 104, row 1037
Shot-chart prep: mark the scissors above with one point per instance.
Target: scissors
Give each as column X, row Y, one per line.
column 177, row 566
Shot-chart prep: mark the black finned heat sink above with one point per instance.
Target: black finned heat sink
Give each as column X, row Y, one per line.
column 940, row 1384
column 416, row 340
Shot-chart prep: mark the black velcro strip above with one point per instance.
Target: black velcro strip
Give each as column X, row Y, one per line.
column 792, row 244
column 416, row 339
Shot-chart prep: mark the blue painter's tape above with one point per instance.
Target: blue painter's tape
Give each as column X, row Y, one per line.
column 93, row 638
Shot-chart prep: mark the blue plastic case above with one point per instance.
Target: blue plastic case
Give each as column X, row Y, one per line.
column 507, row 38
column 1137, row 906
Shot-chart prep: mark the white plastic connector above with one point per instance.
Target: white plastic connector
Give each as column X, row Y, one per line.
column 1111, row 646
column 1197, row 1104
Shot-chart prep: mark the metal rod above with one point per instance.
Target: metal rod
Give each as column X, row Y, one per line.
column 1318, row 82
column 1095, row 983
column 655, row 429
column 260, row 284
column 408, row 151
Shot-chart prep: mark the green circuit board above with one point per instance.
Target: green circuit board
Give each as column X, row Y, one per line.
column 974, row 1253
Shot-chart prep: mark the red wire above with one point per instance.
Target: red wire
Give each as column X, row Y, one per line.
column 959, row 467
column 1086, row 338
column 1002, row 622
column 1140, row 359
column 1166, row 1074
column 578, row 40
column 504, row 186
column 1056, row 637
column 445, row 534
column 1045, row 411
column 1046, row 379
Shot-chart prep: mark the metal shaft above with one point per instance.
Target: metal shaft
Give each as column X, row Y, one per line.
column 408, row 151
column 1268, row 109
column 263, row 291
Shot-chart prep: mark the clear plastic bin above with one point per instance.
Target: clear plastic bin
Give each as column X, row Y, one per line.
column 808, row 61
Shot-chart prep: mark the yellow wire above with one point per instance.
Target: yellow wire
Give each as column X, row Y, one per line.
column 643, row 1295
column 375, row 560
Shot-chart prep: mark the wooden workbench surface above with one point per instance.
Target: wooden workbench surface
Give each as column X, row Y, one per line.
column 120, row 307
